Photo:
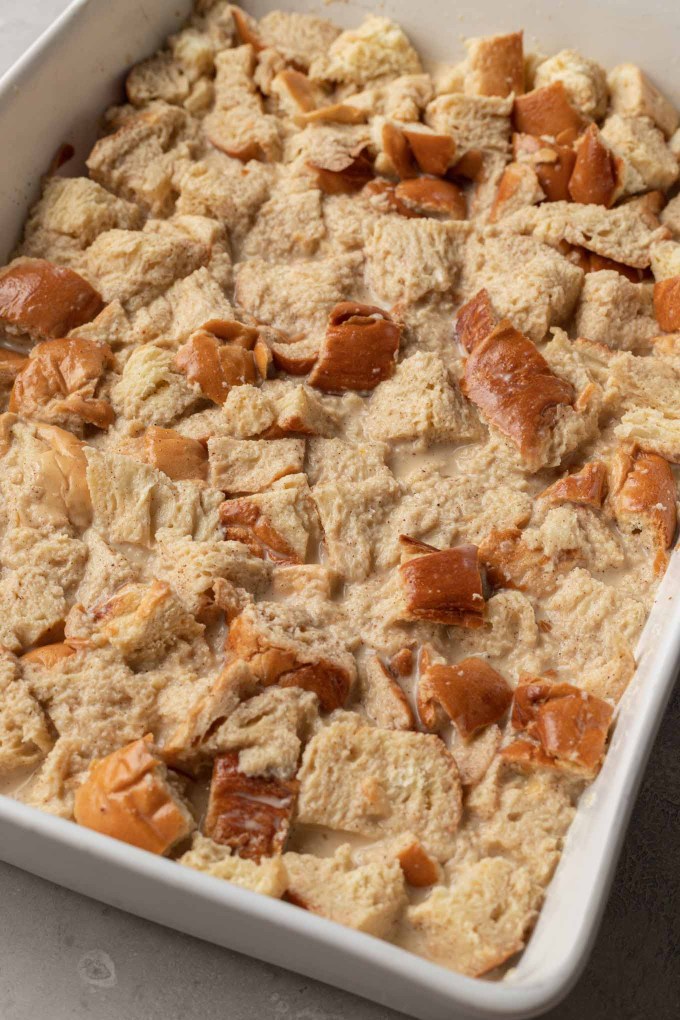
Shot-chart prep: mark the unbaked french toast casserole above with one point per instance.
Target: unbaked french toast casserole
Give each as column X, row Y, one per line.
column 340, row 404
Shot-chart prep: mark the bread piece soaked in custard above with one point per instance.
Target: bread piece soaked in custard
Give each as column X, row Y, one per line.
column 339, row 423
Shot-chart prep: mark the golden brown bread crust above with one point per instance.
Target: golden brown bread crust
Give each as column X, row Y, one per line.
column 546, row 111
column 586, row 487
column 215, row 367
column 45, row 301
column 64, row 374
column 552, row 162
column 643, row 494
column 127, row 796
column 497, row 64
column 513, row 386
column 358, row 351
column 272, row 665
column 475, row 320
column 179, row 457
column 345, row 177
column 570, row 726
column 444, row 586
column 250, row 814
column 244, row 521
column 49, row 655
column 667, row 303
column 429, row 196
column 595, row 179
column 471, row 692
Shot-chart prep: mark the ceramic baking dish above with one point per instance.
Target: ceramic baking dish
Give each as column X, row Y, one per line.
column 56, row 94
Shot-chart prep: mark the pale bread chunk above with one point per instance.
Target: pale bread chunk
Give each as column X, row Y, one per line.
column 377, row 782
column 624, row 234
column 638, row 141
column 150, row 389
column 268, row 877
column 269, row 732
column 300, row 38
column 369, row 897
column 247, row 412
column 303, row 582
column 298, row 296
column 422, row 401
column 528, row 282
column 382, row 699
column 408, row 259
column 652, row 430
column 24, row 735
column 616, row 312
column 32, row 605
column 43, row 478
column 157, row 77
column 665, row 259
column 378, row 48
column 594, row 630
column 57, row 555
column 477, row 924
column 244, row 129
column 184, row 307
column 352, row 489
column 141, row 621
column 138, row 161
column 105, row 571
column 633, row 95
column 276, row 638
column 71, row 213
column 134, row 266
column 95, row 700
column 192, row 568
column 584, row 80
column 288, row 225
column 575, row 534
column 223, row 188
column 131, row 501
column 250, row 465
column 52, row 787
column 475, row 122
column 521, row 817
column 670, row 217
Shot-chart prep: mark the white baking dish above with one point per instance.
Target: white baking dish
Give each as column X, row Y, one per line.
column 56, row 94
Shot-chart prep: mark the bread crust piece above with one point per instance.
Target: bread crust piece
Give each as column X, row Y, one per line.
column 644, row 496
column 513, row 386
column 59, row 383
column 443, row 585
column 495, row 65
column 358, row 351
column 251, row 814
column 127, row 795
column 42, row 301
column 379, row 782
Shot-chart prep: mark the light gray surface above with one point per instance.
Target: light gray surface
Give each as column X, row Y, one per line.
column 65, row 957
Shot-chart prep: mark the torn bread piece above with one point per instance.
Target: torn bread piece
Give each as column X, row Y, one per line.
column 478, row 923
column 283, row 644
column 250, row 814
column 267, row 877
column 368, row 896
column 128, row 795
column 377, row 782
column 43, row 301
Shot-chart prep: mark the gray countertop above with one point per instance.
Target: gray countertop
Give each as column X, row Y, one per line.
column 65, row 957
